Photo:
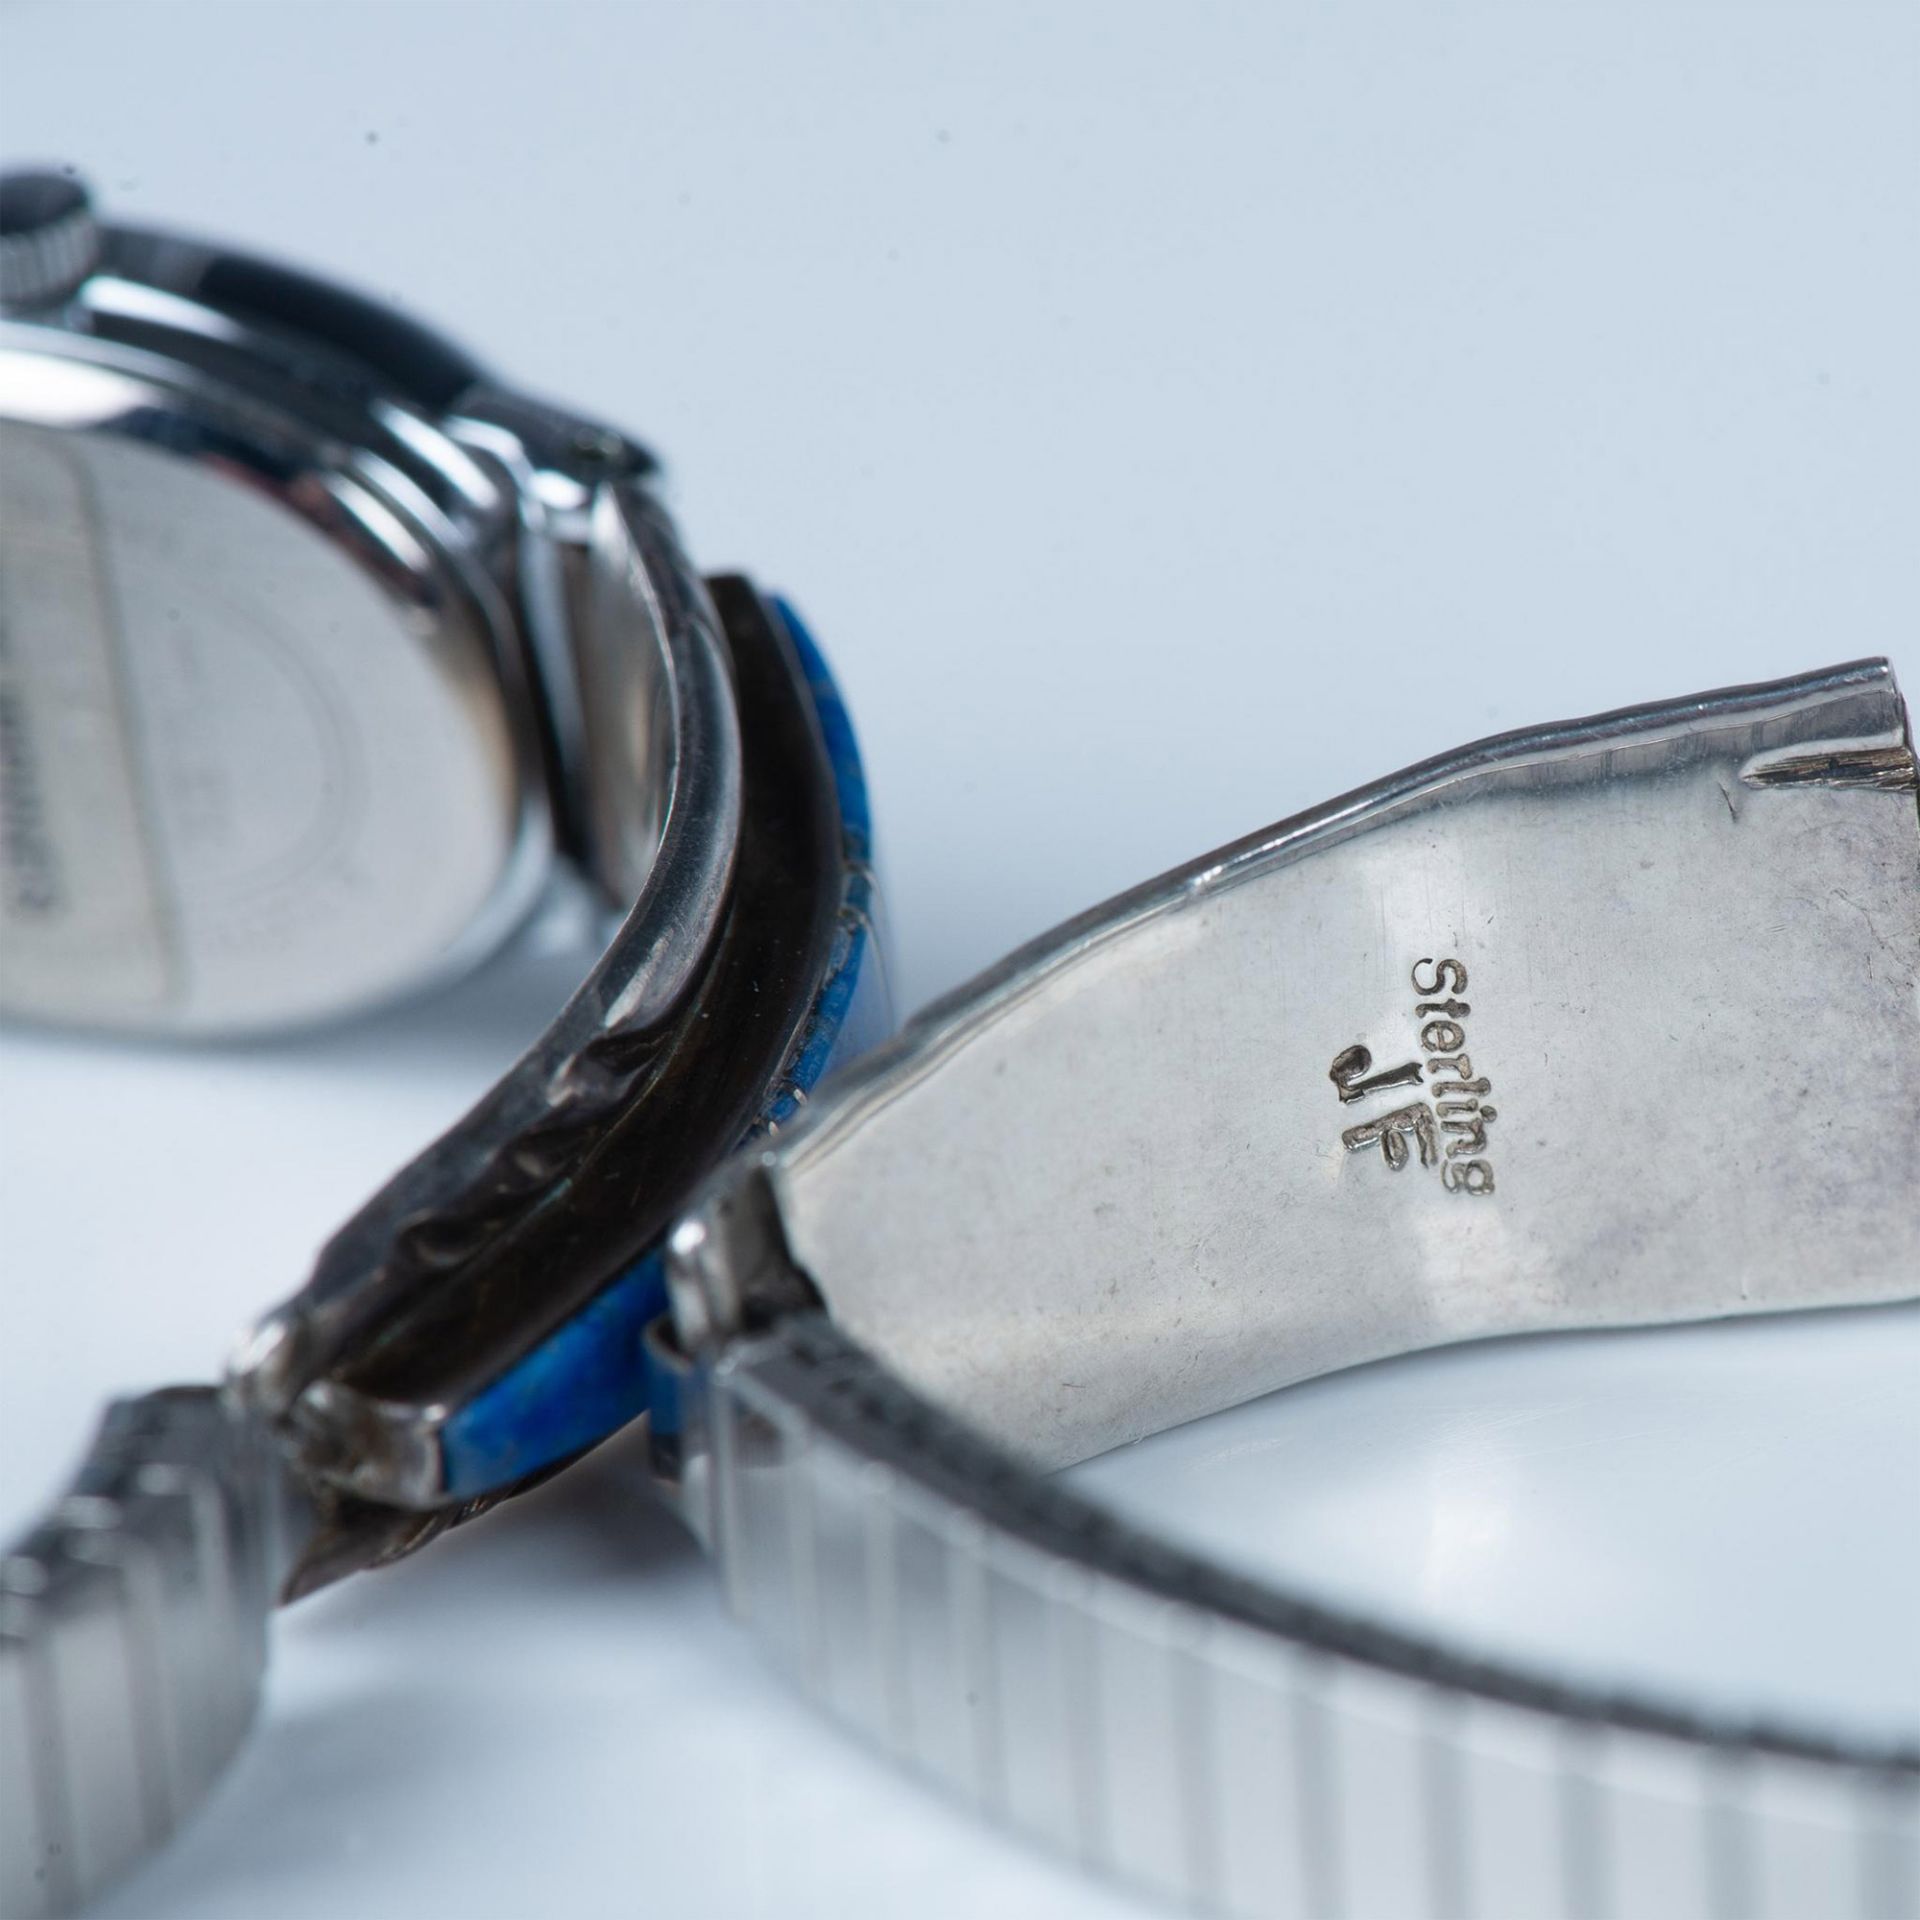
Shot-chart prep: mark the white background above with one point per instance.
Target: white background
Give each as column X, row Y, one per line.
column 1168, row 416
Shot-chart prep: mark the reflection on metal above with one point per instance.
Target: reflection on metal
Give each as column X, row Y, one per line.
column 1104, row 1190
column 1218, row 1743
column 133, row 1639
column 317, row 650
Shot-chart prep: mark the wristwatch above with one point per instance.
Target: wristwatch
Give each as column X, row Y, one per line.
column 1601, row 1024
column 326, row 661
column 1597, row 1025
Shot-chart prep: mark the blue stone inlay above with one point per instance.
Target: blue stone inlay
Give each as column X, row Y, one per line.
column 843, row 750
column 591, row 1374
column 585, row 1379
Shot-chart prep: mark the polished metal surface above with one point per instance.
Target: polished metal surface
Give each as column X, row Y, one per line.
column 1219, row 1744
column 264, row 762
column 572, row 1081
column 595, row 628
column 133, row 1640
column 1597, row 1025
column 316, row 648
column 1603, row 1024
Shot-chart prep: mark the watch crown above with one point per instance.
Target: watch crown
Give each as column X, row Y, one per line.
column 49, row 242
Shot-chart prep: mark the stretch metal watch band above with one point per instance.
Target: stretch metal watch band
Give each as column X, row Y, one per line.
column 133, row 1640
column 1149, row 1167
column 1232, row 1746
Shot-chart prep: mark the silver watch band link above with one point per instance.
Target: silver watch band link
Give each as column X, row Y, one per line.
column 1179, row 1728
column 132, row 1641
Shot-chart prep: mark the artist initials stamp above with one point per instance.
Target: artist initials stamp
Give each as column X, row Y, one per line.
column 1447, row 1129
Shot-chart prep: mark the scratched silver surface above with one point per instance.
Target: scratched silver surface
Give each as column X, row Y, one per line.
column 1115, row 1183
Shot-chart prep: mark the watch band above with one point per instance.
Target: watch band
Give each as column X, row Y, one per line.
column 1114, row 1185
column 133, row 1616
column 133, row 1639
column 1229, row 1745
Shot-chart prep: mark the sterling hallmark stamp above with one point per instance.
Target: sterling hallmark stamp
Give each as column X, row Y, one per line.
column 1448, row 1129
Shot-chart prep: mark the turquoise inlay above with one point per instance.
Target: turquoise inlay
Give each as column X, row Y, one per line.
column 590, row 1375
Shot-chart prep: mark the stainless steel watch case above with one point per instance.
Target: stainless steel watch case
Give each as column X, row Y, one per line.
column 314, row 605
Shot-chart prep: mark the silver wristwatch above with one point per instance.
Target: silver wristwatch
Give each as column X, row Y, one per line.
column 325, row 661
column 1598, row 1025
column 1299, row 1105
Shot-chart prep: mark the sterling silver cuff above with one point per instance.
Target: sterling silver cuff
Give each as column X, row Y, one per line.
column 1335, row 1093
